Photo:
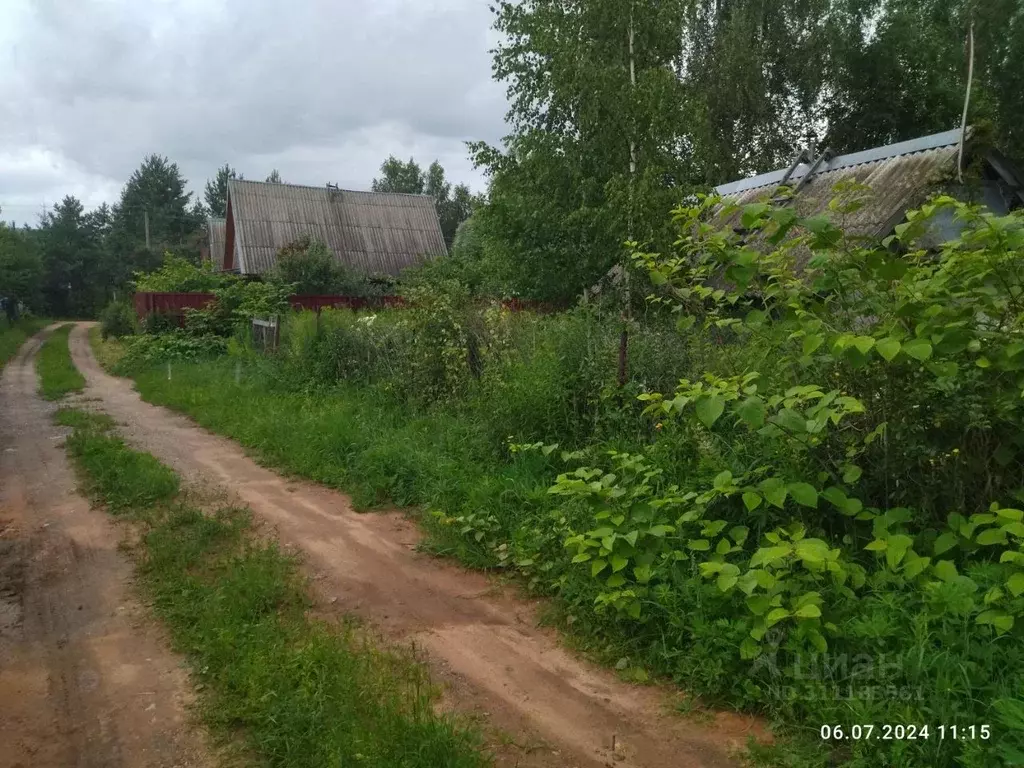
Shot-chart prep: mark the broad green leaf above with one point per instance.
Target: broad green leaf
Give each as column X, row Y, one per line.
column 775, row 492
column 727, row 581
column 752, row 411
column 758, row 604
column 898, row 544
column 1003, row 622
column 699, row 545
column 1016, row 584
column 597, row 566
column 685, row 323
column 945, row 570
column 581, row 558
column 751, row 500
column 912, row 568
column 812, row 550
column 863, row 344
column 888, row 348
column 615, row 581
column 1014, row 529
column 919, row 349
column 723, row 480
column 804, row 494
column 991, row 536
column 790, row 420
column 749, row 649
column 945, row 542
column 755, row 318
column 1011, row 514
column 775, row 616
column 769, row 555
column 878, row 545
column 809, row 611
column 709, row 409
column 812, row 342
column 642, row 573
column 835, row 495
column 618, row 563
column 852, row 473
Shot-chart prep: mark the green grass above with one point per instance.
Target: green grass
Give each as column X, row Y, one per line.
column 13, row 336
column 108, row 351
column 298, row 692
column 57, row 373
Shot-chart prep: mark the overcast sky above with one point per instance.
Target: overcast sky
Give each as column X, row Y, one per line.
column 322, row 90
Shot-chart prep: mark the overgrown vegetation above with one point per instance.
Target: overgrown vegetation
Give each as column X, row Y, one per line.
column 806, row 501
column 57, row 373
column 13, row 335
column 298, row 691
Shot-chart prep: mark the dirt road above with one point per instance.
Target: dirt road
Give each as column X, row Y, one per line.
column 86, row 679
column 480, row 640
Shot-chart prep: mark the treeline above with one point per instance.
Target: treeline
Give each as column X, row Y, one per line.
column 74, row 262
column 698, row 93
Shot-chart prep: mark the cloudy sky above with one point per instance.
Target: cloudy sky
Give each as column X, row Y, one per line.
column 322, row 90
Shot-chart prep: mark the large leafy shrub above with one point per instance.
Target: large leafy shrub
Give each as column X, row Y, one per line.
column 310, row 266
column 118, row 319
column 178, row 275
column 857, row 483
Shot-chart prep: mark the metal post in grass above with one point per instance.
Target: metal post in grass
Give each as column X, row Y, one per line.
column 168, row 370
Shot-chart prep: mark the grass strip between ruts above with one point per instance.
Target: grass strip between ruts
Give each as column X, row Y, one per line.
column 57, row 373
column 300, row 691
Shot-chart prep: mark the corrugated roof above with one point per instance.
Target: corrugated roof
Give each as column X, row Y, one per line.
column 217, row 232
column 900, row 176
column 377, row 233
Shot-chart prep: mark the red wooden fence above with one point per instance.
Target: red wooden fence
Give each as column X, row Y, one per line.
column 175, row 304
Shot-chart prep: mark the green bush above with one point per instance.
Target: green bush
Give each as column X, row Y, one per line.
column 117, row 320
column 145, row 351
column 179, row 275
column 310, row 266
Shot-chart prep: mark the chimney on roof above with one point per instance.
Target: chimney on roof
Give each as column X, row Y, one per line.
column 332, row 186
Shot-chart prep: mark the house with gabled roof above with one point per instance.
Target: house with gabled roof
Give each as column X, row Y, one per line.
column 901, row 177
column 372, row 232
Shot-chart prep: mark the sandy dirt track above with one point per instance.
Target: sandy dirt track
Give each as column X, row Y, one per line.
column 481, row 640
column 86, row 679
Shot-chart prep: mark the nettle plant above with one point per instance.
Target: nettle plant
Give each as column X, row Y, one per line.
column 885, row 360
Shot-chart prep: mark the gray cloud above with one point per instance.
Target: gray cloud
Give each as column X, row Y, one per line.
column 320, row 89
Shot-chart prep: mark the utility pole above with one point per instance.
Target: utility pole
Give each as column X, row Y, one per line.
column 145, row 215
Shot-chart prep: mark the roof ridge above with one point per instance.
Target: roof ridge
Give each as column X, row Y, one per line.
column 849, row 160
column 326, row 188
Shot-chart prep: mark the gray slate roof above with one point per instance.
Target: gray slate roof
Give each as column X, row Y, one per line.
column 216, row 231
column 901, row 176
column 376, row 233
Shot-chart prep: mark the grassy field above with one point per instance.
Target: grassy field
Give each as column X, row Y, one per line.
column 57, row 374
column 13, row 336
column 298, row 692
